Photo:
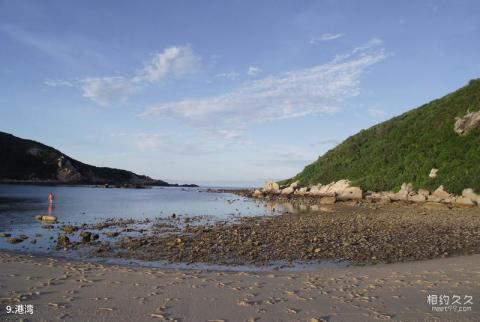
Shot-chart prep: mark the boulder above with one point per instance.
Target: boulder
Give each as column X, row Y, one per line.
column 350, row 193
column 328, row 200
column 432, row 198
column 403, row 193
column 295, row 185
column 433, row 173
column 469, row 193
column 15, row 240
column 257, row 193
column 302, row 191
column 463, row 125
column 464, row 201
column 382, row 197
column 423, row 192
column 63, row 241
column 287, row 191
column 341, row 189
column 86, row 236
column 271, row 187
column 441, row 193
column 49, row 218
column 417, row 198
column 315, row 190
column 5, row 235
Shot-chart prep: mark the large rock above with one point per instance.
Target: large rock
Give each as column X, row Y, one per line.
column 464, row 201
column 287, row 191
column 271, row 187
column 341, row 189
column 433, row 173
column 63, row 241
column 257, row 193
column 442, row 194
column 315, row 190
column 423, row 192
column 330, row 200
column 302, row 191
column 48, row 218
column 463, row 125
column 417, row 198
column 403, row 193
column 432, row 198
column 295, row 185
column 469, row 193
column 350, row 193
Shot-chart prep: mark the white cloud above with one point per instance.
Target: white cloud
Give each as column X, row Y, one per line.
column 47, row 45
column 253, row 71
column 230, row 75
column 58, row 83
column 173, row 62
column 186, row 146
column 325, row 37
column 316, row 90
column 108, row 90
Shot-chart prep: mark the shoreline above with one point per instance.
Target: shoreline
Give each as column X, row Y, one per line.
column 344, row 232
column 80, row 291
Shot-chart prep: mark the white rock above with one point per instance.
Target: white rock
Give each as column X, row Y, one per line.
column 441, row 193
column 433, row 173
column 423, row 192
column 328, row 200
column 287, row 191
column 350, row 193
column 464, row 201
column 271, row 187
column 294, row 185
column 469, row 193
column 417, row 198
column 302, row 191
column 403, row 193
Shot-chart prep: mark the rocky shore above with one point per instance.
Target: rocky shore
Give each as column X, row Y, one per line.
column 344, row 232
column 343, row 191
column 332, row 223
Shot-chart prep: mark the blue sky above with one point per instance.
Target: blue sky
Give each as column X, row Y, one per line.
column 223, row 92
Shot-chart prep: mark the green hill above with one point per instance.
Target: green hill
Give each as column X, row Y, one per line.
column 405, row 149
column 26, row 160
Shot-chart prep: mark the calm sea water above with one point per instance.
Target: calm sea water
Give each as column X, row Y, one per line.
column 19, row 204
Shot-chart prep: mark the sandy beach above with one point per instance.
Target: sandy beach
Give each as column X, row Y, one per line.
column 62, row 290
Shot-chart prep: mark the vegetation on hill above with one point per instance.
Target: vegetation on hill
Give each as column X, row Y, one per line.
column 405, row 149
column 26, row 160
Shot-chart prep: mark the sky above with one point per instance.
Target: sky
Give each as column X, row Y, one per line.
column 228, row 93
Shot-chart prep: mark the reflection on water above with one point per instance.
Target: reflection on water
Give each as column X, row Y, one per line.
column 293, row 208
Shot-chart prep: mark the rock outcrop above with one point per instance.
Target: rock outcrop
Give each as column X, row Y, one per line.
column 271, row 187
column 343, row 191
column 463, row 125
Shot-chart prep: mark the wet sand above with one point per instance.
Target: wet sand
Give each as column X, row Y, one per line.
column 62, row 290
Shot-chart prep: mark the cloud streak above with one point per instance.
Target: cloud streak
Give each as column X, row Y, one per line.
column 325, row 37
column 317, row 90
column 173, row 62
